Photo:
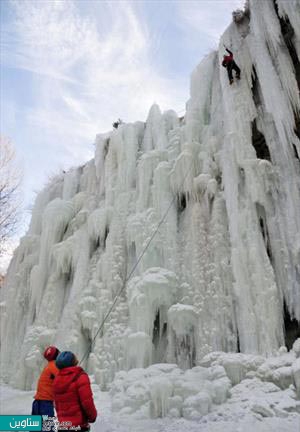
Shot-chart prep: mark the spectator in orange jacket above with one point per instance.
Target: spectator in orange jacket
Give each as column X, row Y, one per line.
column 43, row 399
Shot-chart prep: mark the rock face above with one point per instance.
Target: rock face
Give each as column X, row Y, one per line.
column 219, row 195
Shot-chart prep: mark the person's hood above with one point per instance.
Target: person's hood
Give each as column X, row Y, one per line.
column 65, row 377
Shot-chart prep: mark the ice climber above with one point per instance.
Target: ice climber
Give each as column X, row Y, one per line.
column 73, row 397
column 231, row 65
column 43, row 399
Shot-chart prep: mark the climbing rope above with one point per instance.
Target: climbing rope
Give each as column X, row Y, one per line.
column 87, row 352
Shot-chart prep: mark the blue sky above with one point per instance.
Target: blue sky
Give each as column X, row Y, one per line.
column 69, row 68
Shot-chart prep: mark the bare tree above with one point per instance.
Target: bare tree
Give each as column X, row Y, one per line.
column 10, row 179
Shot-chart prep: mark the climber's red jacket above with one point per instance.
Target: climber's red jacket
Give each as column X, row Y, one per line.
column 73, row 397
column 227, row 58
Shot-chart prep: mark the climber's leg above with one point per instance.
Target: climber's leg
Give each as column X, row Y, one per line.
column 236, row 69
column 229, row 71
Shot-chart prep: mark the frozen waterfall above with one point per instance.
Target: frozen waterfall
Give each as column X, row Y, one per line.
column 223, row 271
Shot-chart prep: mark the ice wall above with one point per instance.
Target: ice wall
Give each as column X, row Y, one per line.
column 223, row 265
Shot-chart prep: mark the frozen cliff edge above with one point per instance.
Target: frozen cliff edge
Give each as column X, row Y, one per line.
column 223, row 271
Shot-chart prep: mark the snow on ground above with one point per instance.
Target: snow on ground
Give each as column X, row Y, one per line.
column 233, row 416
column 231, row 392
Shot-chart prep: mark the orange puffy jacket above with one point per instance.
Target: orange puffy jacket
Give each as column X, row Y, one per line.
column 45, row 383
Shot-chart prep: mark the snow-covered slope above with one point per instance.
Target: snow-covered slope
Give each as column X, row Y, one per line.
column 222, row 272
column 242, row 413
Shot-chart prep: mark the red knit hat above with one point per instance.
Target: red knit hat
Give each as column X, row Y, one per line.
column 51, row 352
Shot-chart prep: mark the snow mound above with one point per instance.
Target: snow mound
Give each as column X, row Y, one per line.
column 265, row 399
column 280, row 370
column 228, row 383
column 165, row 390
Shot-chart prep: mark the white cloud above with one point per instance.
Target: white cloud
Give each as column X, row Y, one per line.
column 89, row 69
column 206, row 18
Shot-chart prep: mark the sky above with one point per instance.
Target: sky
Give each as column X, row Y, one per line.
column 70, row 68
